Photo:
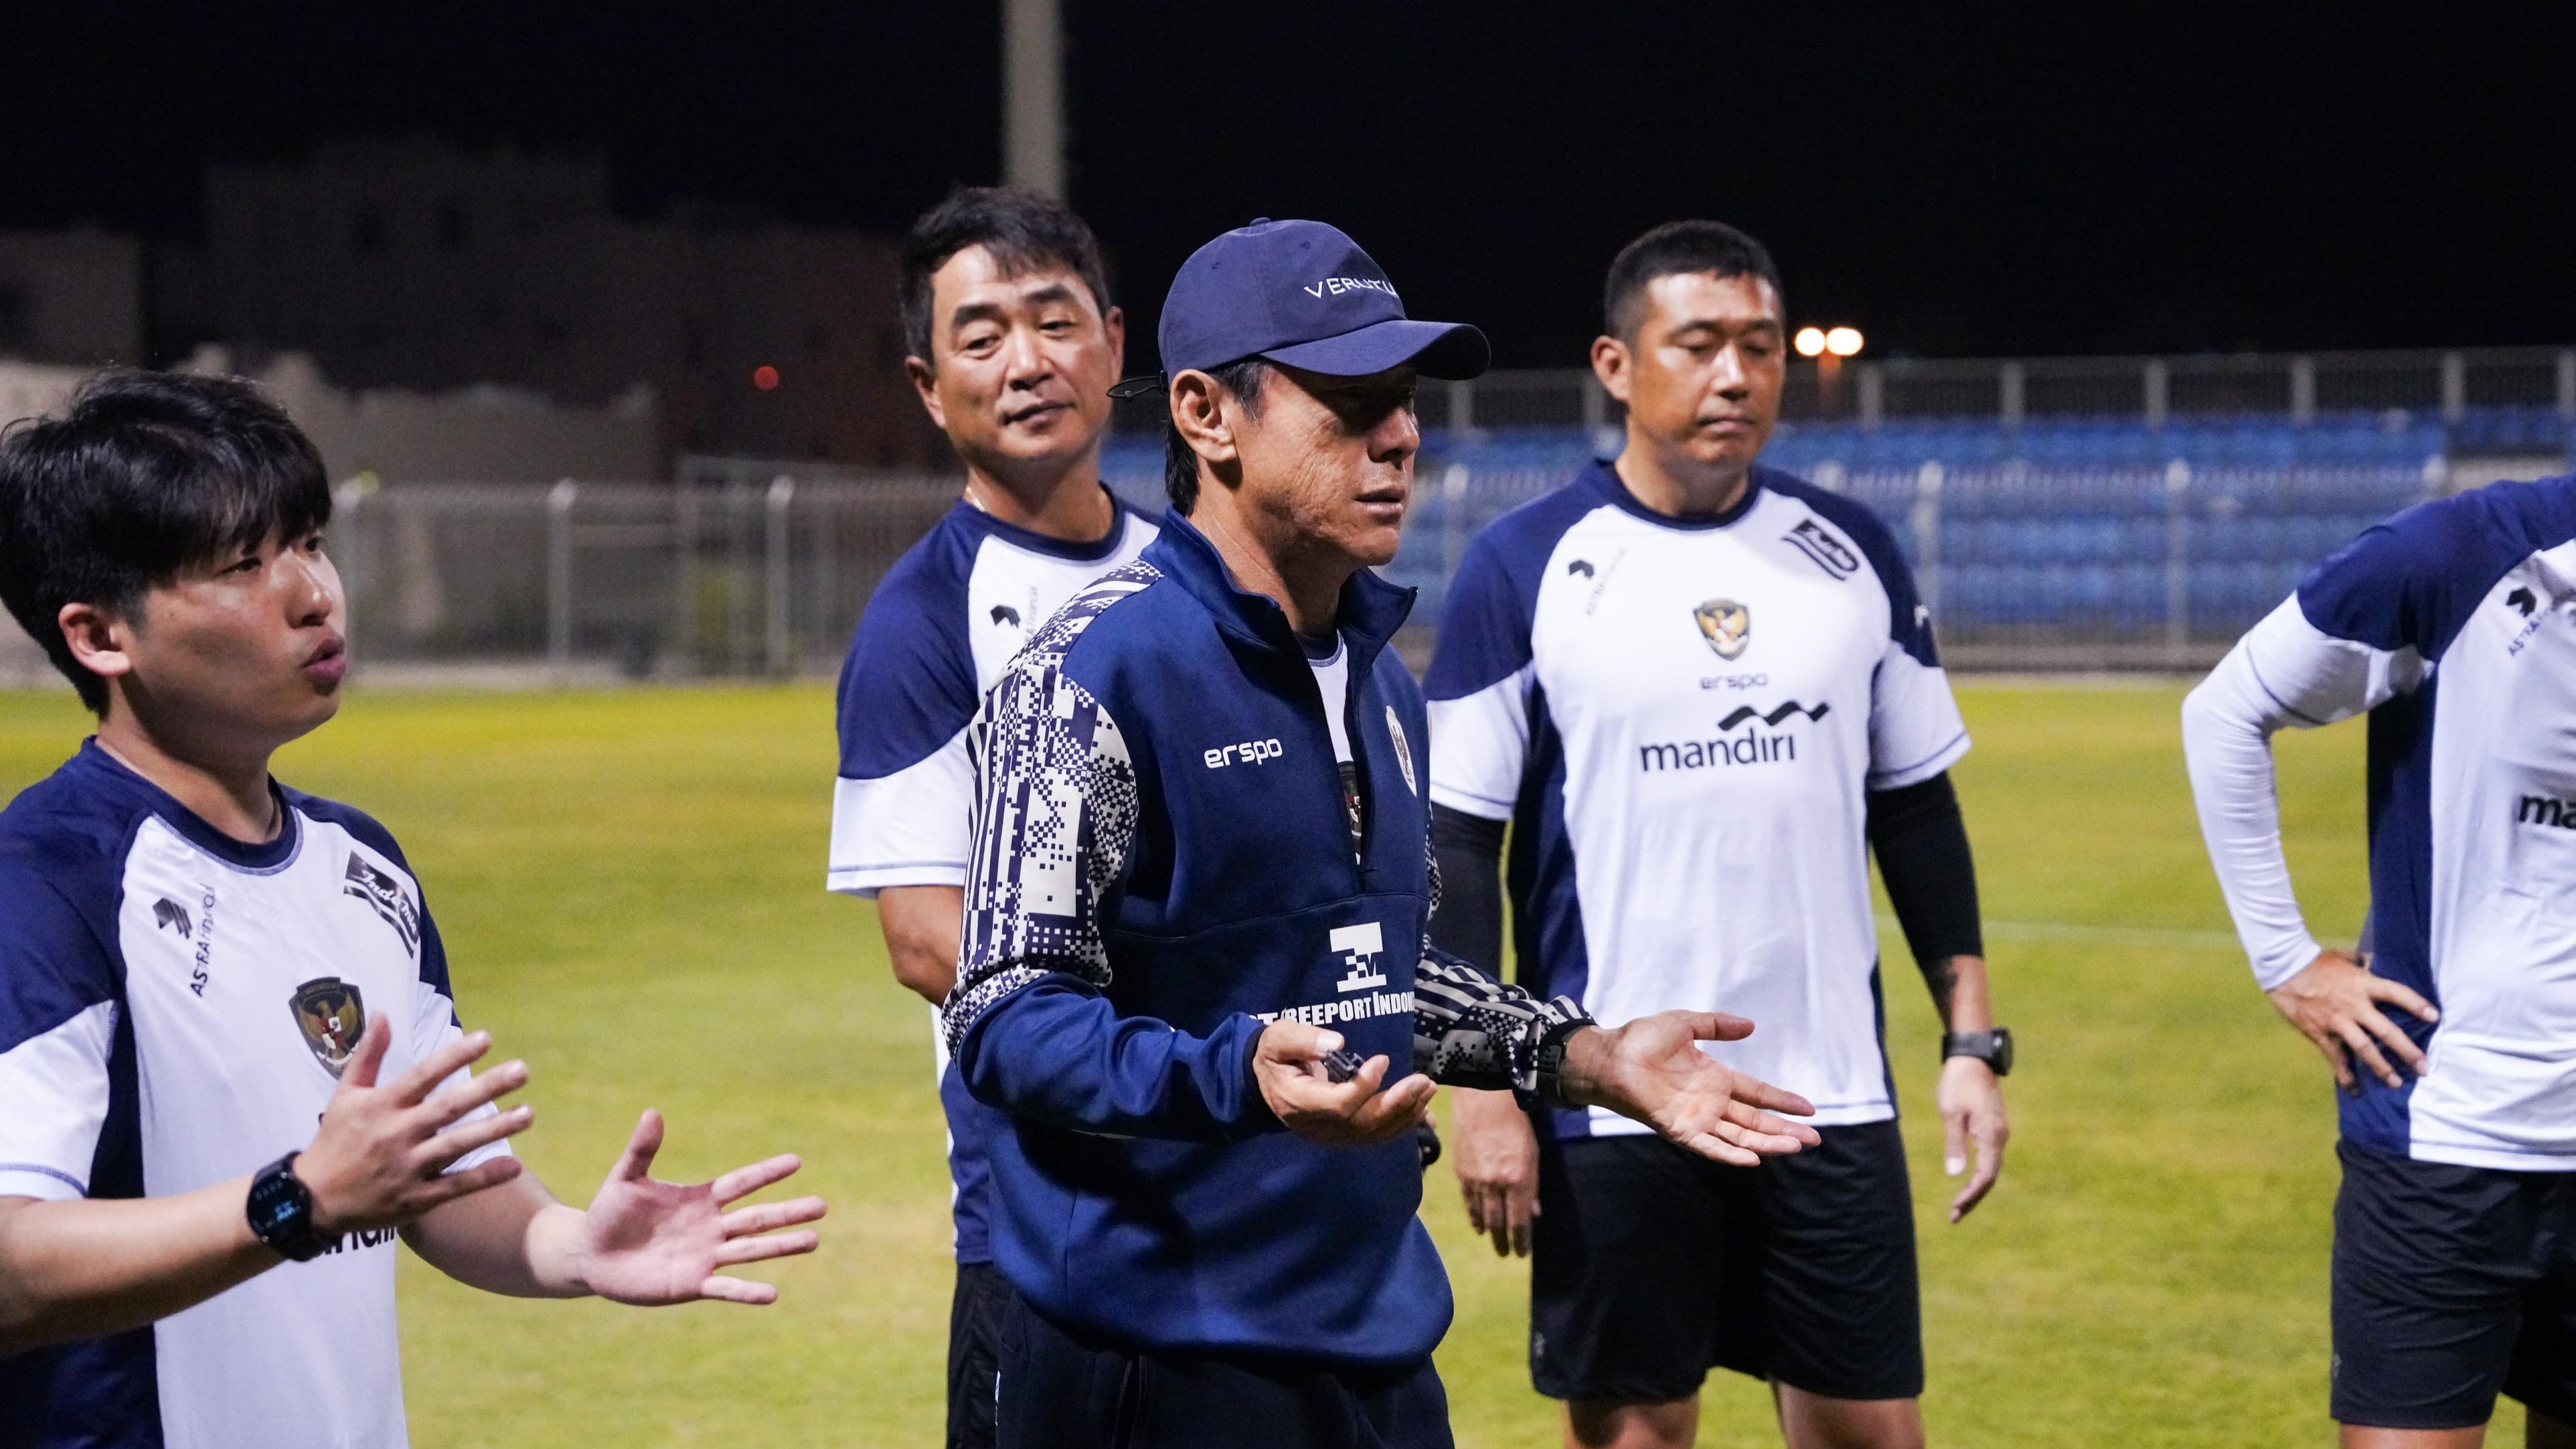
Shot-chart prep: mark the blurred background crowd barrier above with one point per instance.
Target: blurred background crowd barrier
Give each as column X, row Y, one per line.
column 2075, row 514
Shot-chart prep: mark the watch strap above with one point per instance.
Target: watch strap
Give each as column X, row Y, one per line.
column 1994, row 1048
column 1548, row 1062
column 280, row 1208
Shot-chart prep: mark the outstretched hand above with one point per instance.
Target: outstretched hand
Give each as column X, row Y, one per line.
column 653, row 1243
column 381, row 1156
column 1653, row 1070
column 2335, row 1002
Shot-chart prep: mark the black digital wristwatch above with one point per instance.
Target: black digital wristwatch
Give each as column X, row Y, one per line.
column 281, row 1212
column 1994, row 1048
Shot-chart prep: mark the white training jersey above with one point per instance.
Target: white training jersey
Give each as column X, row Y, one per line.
column 936, row 634
column 1681, row 717
column 949, row 615
column 2454, row 626
column 175, row 1010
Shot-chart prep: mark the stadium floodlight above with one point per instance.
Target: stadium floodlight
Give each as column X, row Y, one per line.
column 1810, row 340
column 1841, row 342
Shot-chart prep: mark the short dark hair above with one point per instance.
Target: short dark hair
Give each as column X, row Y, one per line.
column 144, row 475
column 1674, row 249
column 1242, row 378
column 1023, row 231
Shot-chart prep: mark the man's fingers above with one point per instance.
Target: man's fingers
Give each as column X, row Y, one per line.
column 1954, row 1142
column 769, row 1217
column 413, row 1087
column 1990, row 1134
column 2358, row 1042
column 1710, row 1145
column 1717, row 1026
column 738, row 1290
column 1520, row 1203
column 454, row 1102
column 2332, row 1050
column 1779, row 1099
column 455, row 1142
column 2394, row 1037
column 742, row 1182
column 2400, row 994
column 1745, row 1115
column 1976, row 1190
column 636, row 1162
column 363, row 1063
column 780, row 1245
column 1392, row 1111
column 1295, row 1041
column 440, row 1191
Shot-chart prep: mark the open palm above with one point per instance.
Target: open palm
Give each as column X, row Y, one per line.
column 653, row 1243
column 1653, row 1070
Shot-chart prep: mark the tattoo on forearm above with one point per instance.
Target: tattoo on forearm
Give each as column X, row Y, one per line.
column 1943, row 977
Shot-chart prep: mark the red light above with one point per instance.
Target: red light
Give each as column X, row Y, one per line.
column 765, row 377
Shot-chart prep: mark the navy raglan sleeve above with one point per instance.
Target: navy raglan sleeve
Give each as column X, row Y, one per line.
column 1055, row 822
column 58, row 1006
column 907, row 694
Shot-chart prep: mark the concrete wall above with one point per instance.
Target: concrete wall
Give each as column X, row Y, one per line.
column 478, row 434
column 71, row 297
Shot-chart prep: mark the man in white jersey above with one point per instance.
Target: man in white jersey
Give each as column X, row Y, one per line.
column 2453, row 625
column 1700, row 693
column 197, row 963
column 1013, row 349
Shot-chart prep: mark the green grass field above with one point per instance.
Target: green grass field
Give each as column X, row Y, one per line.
column 630, row 884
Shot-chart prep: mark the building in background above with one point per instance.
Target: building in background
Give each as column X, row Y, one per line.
column 71, row 298
column 417, row 266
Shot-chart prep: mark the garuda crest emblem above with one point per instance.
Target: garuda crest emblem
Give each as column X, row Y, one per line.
column 332, row 1016
column 1726, row 624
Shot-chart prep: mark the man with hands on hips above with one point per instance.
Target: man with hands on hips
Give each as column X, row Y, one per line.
column 197, row 963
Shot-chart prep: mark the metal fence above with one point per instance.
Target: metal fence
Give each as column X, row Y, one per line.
column 755, row 571
column 751, row 569
column 2449, row 385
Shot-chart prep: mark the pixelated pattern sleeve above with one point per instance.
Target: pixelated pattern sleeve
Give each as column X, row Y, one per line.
column 1470, row 1030
column 1054, row 825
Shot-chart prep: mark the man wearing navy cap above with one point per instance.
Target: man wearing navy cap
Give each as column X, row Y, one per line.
column 1195, row 914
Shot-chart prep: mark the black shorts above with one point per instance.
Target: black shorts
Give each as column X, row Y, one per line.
column 2450, row 1285
column 975, row 1315
column 1064, row 1389
column 1650, row 1266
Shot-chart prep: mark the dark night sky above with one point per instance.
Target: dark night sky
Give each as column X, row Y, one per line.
column 1957, row 181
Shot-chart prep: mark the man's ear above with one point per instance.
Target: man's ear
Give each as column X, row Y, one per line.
column 1610, row 360
column 1116, row 325
column 925, row 385
column 98, row 638
column 1200, row 411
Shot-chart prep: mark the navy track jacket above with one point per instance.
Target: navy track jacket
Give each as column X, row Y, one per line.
column 1162, row 863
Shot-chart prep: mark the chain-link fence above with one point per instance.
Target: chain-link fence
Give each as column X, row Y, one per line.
column 2534, row 387
column 762, row 569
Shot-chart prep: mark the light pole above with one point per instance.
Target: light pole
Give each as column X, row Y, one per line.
column 1828, row 346
column 1033, row 96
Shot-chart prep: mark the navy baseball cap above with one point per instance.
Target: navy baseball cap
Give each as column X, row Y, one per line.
column 1304, row 294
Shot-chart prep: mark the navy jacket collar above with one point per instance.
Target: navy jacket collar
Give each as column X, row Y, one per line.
column 1371, row 608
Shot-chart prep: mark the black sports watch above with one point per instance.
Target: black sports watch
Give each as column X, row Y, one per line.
column 281, row 1212
column 1994, row 1048
column 1549, row 1061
